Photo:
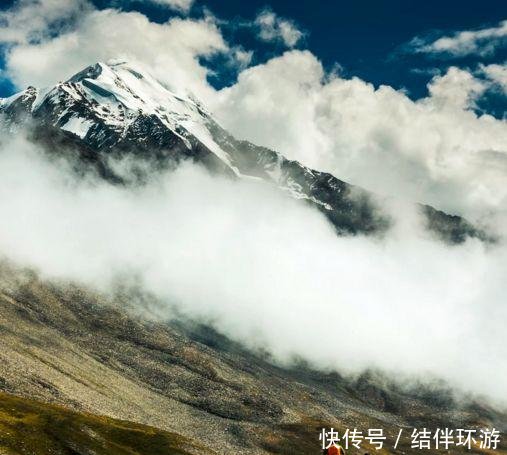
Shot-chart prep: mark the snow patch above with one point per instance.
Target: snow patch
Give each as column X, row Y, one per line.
column 78, row 126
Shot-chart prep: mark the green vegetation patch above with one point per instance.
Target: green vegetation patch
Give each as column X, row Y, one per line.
column 32, row 428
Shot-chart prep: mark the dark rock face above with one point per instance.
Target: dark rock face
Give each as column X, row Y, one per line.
column 19, row 110
column 451, row 228
column 119, row 123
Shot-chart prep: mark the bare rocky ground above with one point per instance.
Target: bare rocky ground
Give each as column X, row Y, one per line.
column 64, row 345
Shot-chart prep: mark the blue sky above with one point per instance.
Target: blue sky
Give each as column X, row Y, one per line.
column 364, row 38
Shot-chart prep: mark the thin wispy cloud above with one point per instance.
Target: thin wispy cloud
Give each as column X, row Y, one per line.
column 497, row 73
column 272, row 28
column 183, row 6
column 480, row 42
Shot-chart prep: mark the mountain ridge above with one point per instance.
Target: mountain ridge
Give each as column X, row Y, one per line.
column 106, row 112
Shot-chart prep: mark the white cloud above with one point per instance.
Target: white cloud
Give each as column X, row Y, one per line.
column 170, row 49
column 31, row 20
column 274, row 28
column 340, row 302
column 434, row 150
column 496, row 73
column 180, row 5
column 456, row 88
column 479, row 42
column 241, row 57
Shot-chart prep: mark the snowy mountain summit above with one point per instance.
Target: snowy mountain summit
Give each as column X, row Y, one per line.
column 105, row 105
column 111, row 111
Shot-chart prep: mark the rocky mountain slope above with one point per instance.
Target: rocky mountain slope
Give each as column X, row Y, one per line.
column 66, row 345
column 106, row 113
column 179, row 386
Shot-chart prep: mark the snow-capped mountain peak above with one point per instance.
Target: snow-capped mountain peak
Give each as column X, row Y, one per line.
column 117, row 95
column 119, row 109
column 126, row 90
column 135, row 89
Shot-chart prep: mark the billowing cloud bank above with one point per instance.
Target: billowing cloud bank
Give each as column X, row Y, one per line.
column 434, row 150
column 269, row 270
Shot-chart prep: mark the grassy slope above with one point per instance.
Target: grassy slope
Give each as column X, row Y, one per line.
column 29, row 427
column 33, row 428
